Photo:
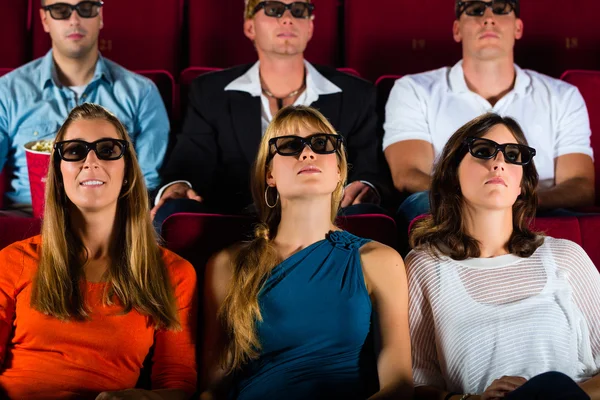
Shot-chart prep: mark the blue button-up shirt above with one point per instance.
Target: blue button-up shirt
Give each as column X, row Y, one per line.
column 33, row 106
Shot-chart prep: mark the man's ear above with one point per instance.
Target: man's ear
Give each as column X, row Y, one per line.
column 456, row 31
column 43, row 18
column 249, row 30
column 518, row 28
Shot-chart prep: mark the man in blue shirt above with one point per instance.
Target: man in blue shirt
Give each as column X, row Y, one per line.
column 36, row 98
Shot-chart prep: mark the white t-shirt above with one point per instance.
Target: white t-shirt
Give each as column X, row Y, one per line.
column 431, row 106
column 477, row 320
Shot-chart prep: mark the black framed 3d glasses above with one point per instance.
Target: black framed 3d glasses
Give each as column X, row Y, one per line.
column 85, row 9
column 486, row 149
column 477, row 8
column 298, row 9
column 292, row 145
column 105, row 149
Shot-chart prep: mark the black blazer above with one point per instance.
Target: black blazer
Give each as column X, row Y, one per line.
column 222, row 130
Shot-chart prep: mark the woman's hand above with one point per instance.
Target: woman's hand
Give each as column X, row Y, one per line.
column 502, row 386
column 130, row 394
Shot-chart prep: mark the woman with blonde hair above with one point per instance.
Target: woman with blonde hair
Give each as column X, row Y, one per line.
column 83, row 304
column 304, row 310
column 498, row 311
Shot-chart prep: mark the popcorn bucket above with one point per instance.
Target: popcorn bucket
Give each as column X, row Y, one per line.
column 37, row 165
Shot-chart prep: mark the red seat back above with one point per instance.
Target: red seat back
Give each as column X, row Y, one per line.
column 561, row 36
column 138, row 34
column 196, row 237
column 588, row 83
column 216, row 35
column 13, row 229
column 372, row 226
column 590, row 228
column 166, row 86
column 384, row 85
column 14, row 29
column 399, row 36
column 559, row 227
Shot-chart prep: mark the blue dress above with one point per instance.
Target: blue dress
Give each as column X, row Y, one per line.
column 315, row 332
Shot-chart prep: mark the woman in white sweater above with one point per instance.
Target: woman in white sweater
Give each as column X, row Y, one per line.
column 496, row 310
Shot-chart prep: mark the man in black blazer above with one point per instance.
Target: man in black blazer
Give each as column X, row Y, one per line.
column 209, row 168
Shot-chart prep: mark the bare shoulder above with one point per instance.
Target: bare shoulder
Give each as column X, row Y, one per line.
column 219, row 270
column 375, row 253
column 382, row 267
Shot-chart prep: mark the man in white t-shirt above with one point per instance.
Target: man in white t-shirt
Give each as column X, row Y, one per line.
column 425, row 109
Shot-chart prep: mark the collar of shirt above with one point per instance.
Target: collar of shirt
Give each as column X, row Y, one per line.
column 458, row 84
column 316, row 84
column 48, row 72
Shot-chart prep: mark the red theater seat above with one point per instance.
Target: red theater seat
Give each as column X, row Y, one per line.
column 216, row 35
column 564, row 35
column 384, row 85
column 166, row 86
column 13, row 229
column 590, row 235
column 399, row 36
column 559, row 227
column 196, row 237
column 14, row 27
column 372, row 226
column 588, row 83
column 138, row 34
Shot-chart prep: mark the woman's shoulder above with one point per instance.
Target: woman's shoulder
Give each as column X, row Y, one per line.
column 21, row 258
column 177, row 266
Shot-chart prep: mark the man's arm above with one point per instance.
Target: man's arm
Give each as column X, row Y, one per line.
column 574, row 183
column 152, row 135
column 411, row 162
column 573, row 165
column 407, row 141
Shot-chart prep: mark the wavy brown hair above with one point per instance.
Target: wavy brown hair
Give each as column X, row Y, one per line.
column 255, row 260
column 136, row 275
column 444, row 231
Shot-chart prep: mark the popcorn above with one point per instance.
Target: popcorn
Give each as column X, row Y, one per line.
column 43, row 146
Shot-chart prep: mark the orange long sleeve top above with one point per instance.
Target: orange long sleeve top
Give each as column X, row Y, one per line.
column 42, row 357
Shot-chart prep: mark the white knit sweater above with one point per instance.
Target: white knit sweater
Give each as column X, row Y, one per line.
column 476, row 320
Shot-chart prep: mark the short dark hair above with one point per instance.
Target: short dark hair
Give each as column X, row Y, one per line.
column 515, row 3
column 443, row 231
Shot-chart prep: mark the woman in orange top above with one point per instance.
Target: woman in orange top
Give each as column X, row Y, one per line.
column 82, row 305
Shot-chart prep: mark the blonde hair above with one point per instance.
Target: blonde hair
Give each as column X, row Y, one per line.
column 136, row 275
column 250, row 5
column 255, row 260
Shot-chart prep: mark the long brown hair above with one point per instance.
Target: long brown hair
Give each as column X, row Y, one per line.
column 136, row 275
column 443, row 231
column 255, row 260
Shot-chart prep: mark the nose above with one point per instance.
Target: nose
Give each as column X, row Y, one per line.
column 74, row 19
column 489, row 17
column 307, row 153
column 286, row 18
column 91, row 160
column 498, row 162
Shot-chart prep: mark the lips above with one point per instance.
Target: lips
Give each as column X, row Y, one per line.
column 488, row 35
column 287, row 35
column 75, row 36
column 91, row 183
column 309, row 170
column 496, row 181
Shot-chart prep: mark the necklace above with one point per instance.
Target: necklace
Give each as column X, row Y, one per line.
column 280, row 99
